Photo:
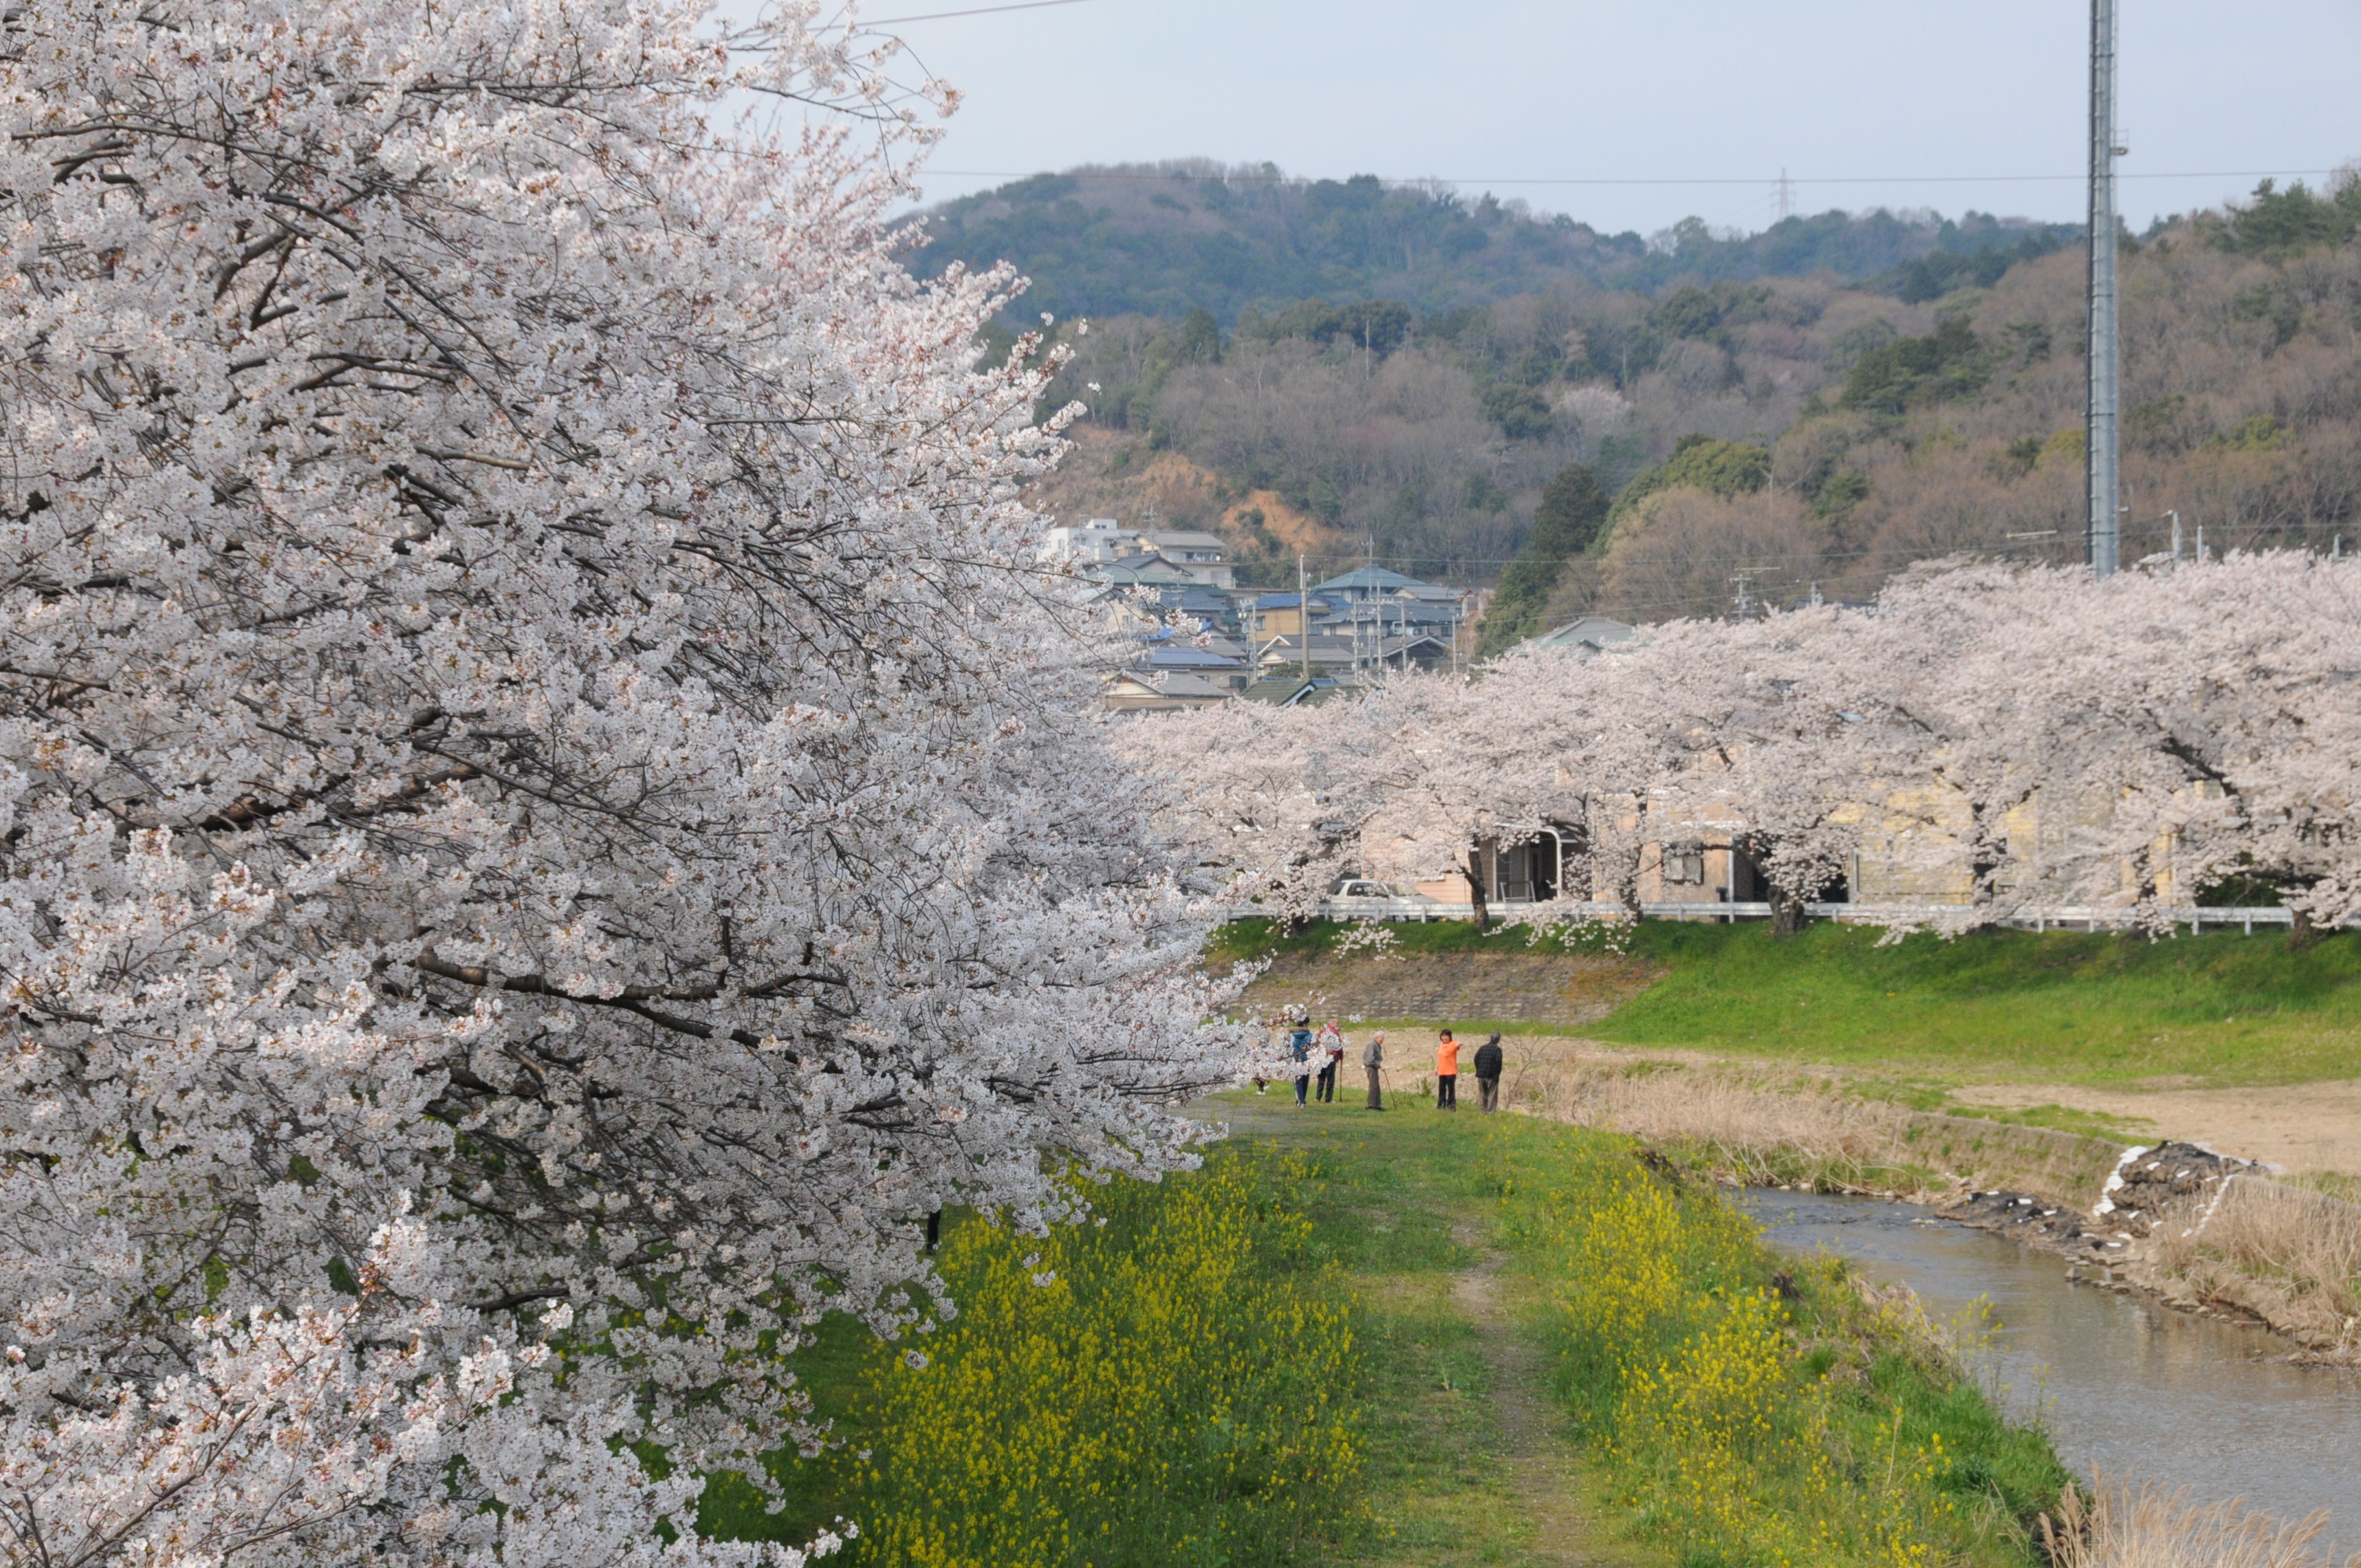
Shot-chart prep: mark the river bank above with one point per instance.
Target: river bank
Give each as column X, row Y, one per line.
column 2123, row 1387
column 2203, row 1234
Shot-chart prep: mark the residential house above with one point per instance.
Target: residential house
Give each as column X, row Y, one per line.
column 1372, row 603
column 1230, row 672
column 1286, row 688
column 1334, row 656
column 1100, row 541
column 1592, row 632
column 1094, row 541
column 1143, row 691
column 1140, row 571
column 1205, row 556
column 1282, row 615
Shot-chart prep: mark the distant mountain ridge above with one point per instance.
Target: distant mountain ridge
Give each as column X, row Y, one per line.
column 1168, row 238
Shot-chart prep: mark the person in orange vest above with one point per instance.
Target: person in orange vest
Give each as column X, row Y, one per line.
column 1446, row 1072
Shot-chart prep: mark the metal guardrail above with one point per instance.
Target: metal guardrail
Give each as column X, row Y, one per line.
column 2064, row 917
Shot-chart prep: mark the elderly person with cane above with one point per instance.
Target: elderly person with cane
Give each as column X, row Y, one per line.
column 1488, row 1073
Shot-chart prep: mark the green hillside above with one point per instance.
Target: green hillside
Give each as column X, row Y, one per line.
column 1165, row 239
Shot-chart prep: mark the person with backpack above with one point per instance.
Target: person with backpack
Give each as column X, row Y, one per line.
column 1373, row 1057
column 1446, row 1072
column 1331, row 1051
column 1299, row 1051
column 1488, row 1073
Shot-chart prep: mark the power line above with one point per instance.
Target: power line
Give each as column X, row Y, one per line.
column 1571, row 180
column 978, row 11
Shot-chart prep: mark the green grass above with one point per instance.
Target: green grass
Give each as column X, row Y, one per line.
column 1390, row 1213
column 2219, row 1008
column 1845, row 1395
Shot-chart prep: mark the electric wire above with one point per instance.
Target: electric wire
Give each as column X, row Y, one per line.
column 978, row 11
column 1284, row 179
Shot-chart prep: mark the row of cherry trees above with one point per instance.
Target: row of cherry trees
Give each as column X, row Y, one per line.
column 543, row 828
column 1990, row 737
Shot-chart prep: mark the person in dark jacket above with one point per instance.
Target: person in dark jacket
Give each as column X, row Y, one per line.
column 1488, row 1073
column 1299, row 1051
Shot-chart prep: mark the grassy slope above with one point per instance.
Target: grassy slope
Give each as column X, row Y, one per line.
column 2221, row 1008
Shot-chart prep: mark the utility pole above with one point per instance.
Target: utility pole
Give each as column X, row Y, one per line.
column 2102, row 451
column 1745, row 581
column 1786, row 197
column 1303, row 617
column 2176, row 539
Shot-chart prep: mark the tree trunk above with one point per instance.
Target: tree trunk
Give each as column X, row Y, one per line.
column 2301, row 931
column 1482, row 914
column 1787, row 915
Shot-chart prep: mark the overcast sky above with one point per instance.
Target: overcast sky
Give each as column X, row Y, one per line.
column 1486, row 93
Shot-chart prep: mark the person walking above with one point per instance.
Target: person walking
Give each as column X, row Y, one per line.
column 1488, row 1073
column 1373, row 1057
column 1299, row 1051
column 1446, row 1072
column 1331, row 1050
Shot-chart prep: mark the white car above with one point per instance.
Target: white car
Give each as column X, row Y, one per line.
column 1358, row 898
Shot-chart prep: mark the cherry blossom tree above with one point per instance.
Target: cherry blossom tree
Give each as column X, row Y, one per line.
column 1270, row 802
column 2214, row 708
column 2008, row 738
column 1777, row 761
column 547, row 826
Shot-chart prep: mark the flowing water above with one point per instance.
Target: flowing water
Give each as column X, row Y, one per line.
column 2123, row 1387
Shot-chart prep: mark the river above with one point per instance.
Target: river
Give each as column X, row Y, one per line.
column 2123, row 1387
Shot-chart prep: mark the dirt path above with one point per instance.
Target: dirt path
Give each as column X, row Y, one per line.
column 1536, row 1460
column 2298, row 1127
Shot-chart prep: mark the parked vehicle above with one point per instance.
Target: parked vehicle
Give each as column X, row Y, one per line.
column 1359, row 898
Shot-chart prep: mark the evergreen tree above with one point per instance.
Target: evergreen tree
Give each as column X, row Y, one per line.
column 1573, row 508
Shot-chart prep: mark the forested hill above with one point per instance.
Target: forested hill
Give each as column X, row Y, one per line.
column 1164, row 239
column 1800, row 435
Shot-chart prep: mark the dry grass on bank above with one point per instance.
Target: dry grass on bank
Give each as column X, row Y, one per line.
column 2287, row 1255
column 1768, row 1129
column 2156, row 1528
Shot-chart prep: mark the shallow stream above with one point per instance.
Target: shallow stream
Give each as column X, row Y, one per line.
column 2123, row 1387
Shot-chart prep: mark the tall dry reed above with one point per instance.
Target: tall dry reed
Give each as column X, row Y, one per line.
column 2287, row 1255
column 1761, row 1128
column 2151, row 1528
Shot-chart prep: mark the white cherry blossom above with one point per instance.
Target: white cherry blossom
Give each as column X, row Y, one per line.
column 547, row 824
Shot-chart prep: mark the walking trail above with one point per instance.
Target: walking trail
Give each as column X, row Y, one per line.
column 1536, row 1461
column 1497, row 1480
